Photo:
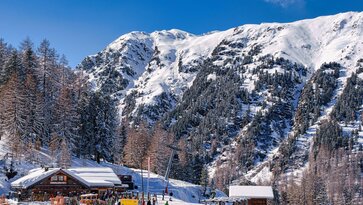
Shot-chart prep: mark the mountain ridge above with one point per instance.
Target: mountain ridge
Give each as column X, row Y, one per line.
column 162, row 67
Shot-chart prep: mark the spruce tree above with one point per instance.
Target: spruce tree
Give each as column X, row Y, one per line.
column 49, row 84
column 87, row 116
column 13, row 122
column 4, row 54
column 204, row 180
column 64, row 160
column 33, row 102
column 65, row 119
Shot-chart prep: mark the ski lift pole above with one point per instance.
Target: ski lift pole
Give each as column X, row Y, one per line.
column 168, row 169
column 142, row 185
column 174, row 149
column 148, row 177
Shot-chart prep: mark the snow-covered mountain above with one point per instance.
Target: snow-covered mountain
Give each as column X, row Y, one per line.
column 148, row 65
column 244, row 88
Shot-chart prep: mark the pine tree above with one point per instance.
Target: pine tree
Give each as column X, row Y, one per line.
column 28, row 151
column 48, row 76
column 4, row 54
column 54, row 146
column 182, row 169
column 319, row 191
column 14, row 106
column 65, row 119
column 120, row 142
column 86, row 125
column 158, row 151
column 28, row 56
column 86, row 107
column 204, row 180
column 34, row 112
column 136, row 146
column 105, row 126
column 109, row 130
column 65, row 155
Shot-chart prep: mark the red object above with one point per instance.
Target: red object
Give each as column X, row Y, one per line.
column 166, row 190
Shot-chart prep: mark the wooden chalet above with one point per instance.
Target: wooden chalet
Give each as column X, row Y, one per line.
column 42, row 184
column 244, row 195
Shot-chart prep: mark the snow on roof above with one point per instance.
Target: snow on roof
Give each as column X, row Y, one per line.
column 95, row 176
column 225, row 199
column 251, row 191
column 33, row 177
column 90, row 176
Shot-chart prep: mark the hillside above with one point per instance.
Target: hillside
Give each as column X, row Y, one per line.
column 240, row 89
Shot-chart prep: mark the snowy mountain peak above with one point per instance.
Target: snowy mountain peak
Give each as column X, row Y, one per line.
column 169, row 59
column 129, row 37
column 173, row 34
column 307, row 41
column 219, row 85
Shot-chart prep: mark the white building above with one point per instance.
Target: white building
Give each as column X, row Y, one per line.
column 245, row 195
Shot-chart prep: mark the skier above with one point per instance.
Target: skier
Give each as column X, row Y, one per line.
column 148, row 202
column 166, row 203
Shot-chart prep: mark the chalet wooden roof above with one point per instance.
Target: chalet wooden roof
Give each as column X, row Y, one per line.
column 88, row 176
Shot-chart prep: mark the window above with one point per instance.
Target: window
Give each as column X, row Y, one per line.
column 54, row 178
column 58, row 178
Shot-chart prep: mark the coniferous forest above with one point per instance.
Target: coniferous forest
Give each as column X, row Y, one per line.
column 45, row 104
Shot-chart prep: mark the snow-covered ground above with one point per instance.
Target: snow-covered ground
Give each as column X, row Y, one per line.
column 174, row 201
column 183, row 192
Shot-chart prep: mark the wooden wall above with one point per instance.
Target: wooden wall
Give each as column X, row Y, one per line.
column 257, row 202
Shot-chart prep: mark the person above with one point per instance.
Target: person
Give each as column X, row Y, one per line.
column 148, row 202
column 154, row 199
column 166, row 203
column 171, row 194
column 162, row 196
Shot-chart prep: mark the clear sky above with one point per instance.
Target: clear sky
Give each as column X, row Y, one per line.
column 78, row 28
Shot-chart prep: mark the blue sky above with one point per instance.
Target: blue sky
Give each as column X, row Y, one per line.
column 78, row 28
